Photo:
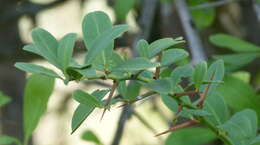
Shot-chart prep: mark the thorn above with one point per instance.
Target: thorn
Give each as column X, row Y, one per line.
column 123, row 105
column 103, row 113
column 115, row 84
column 183, row 125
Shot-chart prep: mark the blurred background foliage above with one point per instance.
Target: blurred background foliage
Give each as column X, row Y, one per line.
column 214, row 29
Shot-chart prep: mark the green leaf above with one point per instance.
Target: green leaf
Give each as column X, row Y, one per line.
column 122, row 7
column 131, row 91
column 242, row 127
column 80, row 114
column 36, row 95
column 173, row 55
column 65, row 50
column 180, row 72
column 33, row 68
column 8, row 140
column 162, row 86
column 32, row 48
column 239, row 95
column 122, row 88
column 190, row 136
column 115, row 60
column 88, row 72
column 203, row 18
column 47, row 45
column 255, row 140
column 160, row 45
column 94, row 25
column 104, row 40
column 199, row 73
column 143, row 48
column 233, row 43
column 91, row 137
column 73, row 73
column 216, row 106
column 135, row 64
column 4, row 99
column 83, row 111
column 86, row 99
column 215, row 73
column 170, row 103
column 231, row 59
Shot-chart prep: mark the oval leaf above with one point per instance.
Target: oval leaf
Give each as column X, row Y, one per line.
column 190, row 136
column 94, row 24
column 143, row 48
column 173, row 55
column 47, row 45
column 233, row 43
column 91, row 137
column 86, row 99
column 104, row 40
column 83, row 111
column 135, row 64
column 65, row 50
column 36, row 95
column 242, row 127
column 199, row 73
column 162, row 86
column 160, row 45
column 33, row 68
column 216, row 106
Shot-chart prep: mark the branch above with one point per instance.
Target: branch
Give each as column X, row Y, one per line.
column 192, row 35
column 145, row 95
column 125, row 115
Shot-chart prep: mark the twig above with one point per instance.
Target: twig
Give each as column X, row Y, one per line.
column 193, row 38
column 183, row 125
column 115, row 84
column 148, row 94
column 145, row 95
column 212, row 4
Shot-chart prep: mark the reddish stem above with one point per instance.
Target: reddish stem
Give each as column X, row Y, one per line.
column 183, row 125
column 205, row 93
